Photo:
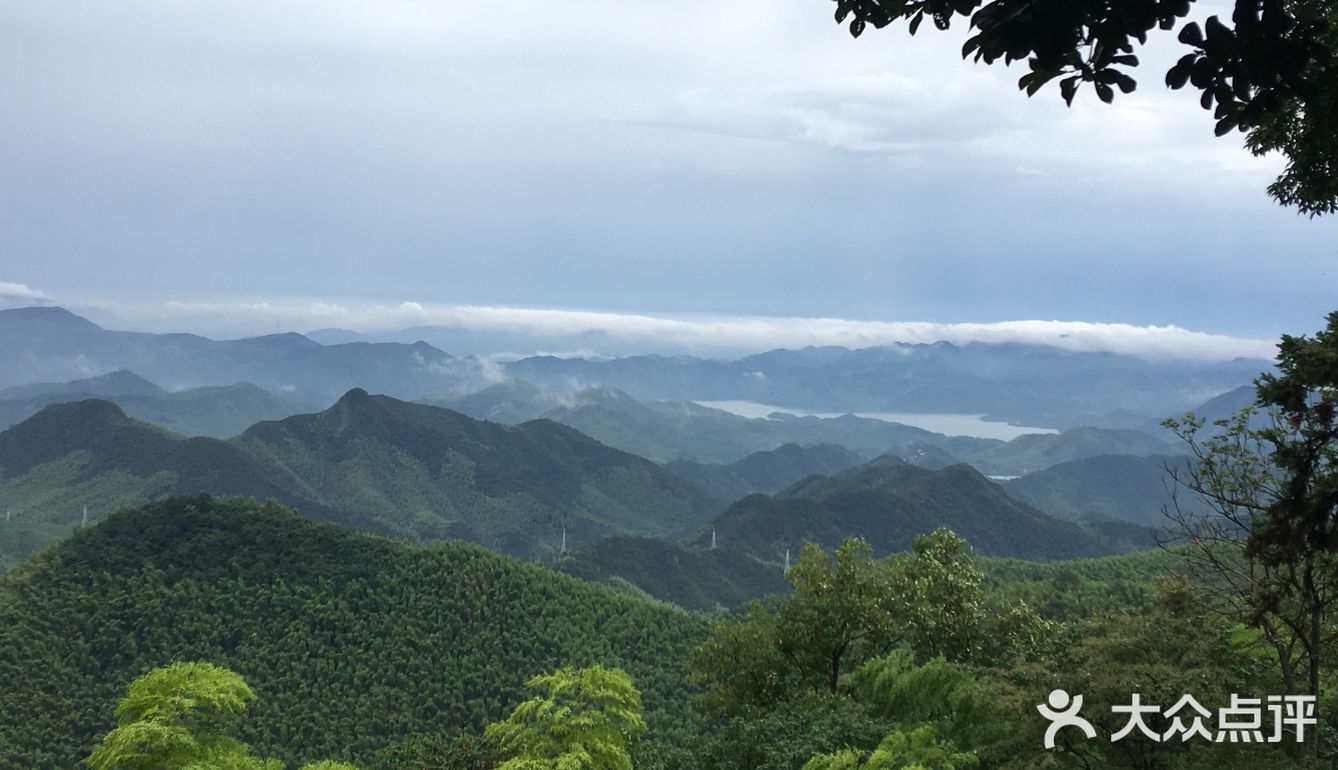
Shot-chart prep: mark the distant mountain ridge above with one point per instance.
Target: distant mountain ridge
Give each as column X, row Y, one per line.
column 46, row 344
column 370, row 462
column 1026, row 384
column 1037, row 451
column 766, row 472
column 1119, row 487
column 666, row 431
column 217, row 411
column 889, row 502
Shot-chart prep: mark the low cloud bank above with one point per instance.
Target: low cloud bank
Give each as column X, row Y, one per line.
column 722, row 335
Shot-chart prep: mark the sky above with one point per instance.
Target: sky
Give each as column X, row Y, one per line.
column 740, row 166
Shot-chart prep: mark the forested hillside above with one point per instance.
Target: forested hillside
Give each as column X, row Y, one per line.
column 707, row 580
column 1121, row 487
column 890, row 502
column 368, row 462
column 355, row 644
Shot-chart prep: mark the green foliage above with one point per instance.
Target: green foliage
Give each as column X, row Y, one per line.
column 577, row 720
column 426, row 751
column 839, row 612
column 944, row 608
column 1302, row 519
column 1175, row 647
column 857, row 647
column 786, row 733
column 1271, row 534
column 703, row 580
column 353, row 643
column 847, row 608
column 949, row 697
column 1073, row 590
column 918, row 749
column 178, row 717
column 1267, row 72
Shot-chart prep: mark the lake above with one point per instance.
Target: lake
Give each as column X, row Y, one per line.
column 947, row 424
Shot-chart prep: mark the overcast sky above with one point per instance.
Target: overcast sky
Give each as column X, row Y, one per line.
column 230, row 167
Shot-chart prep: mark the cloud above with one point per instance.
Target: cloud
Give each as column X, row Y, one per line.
column 719, row 334
column 18, row 294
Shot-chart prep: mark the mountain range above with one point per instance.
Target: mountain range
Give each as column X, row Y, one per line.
column 210, row 410
column 766, row 472
column 45, row 344
column 370, row 462
column 1119, row 487
column 666, row 431
column 1026, row 384
column 889, row 502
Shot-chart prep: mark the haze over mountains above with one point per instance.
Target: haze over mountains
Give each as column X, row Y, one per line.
column 1027, row 384
column 609, row 467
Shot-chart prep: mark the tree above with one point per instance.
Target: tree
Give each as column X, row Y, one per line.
column 1268, row 72
column 582, row 719
column 944, row 609
column 1270, row 537
column 788, row 682
column 940, row 717
column 178, row 717
column 917, row 749
column 841, row 610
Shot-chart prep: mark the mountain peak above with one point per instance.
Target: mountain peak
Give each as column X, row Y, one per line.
column 88, row 412
column 357, row 402
column 354, row 396
column 47, row 314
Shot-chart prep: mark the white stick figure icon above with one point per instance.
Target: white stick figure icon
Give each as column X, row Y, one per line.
column 1063, row 712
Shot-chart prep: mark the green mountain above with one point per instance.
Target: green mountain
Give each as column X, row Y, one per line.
column 1037, row 451
column 888, row 503
column 1120, row 487
column 765, row 472
column 436, row 474
column 355, row 644
column 369, row 462
column 705, row 580
column 218, row 411
column 90, row 453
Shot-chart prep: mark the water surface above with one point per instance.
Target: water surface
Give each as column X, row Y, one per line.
column 948, row 424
